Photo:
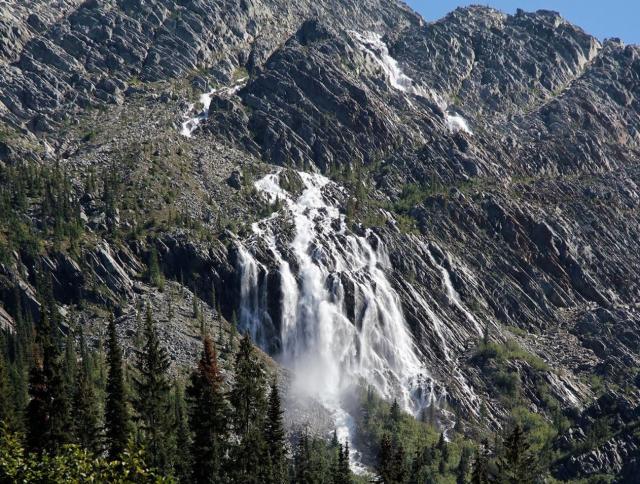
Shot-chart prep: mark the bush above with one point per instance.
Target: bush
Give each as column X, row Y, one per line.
column 72, row 464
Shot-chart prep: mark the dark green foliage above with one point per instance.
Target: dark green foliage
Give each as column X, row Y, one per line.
column 182, row 459
column 390, row 466
column 85, row 404
column 117, row 417
column 480, row 471
column 275, row 437
column 444, row 454
column 309, row 465
column 6, row 405
column 462, row 469
column 49, row 411
column 154, row 274
column 152, row 402
column 71, row 464
column 518, row 465
column 208, row 415
column 342, row 472
column 27, row 190
column 248, row 401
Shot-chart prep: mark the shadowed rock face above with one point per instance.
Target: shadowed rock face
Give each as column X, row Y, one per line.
column 493, row 158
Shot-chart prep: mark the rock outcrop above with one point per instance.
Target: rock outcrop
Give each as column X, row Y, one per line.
column 491, row 161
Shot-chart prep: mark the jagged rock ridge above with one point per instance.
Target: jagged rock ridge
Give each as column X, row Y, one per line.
column 525, row 222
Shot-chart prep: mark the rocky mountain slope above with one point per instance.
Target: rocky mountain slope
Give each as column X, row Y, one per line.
column 473, row 177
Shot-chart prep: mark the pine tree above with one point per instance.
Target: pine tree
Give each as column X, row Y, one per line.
column 302, row 462
column 117, row 419
column 390, row 465
column 49, row 410
column 394, row 416
column 275, row 436
column 463, row 465
column 517, row 465
column 155, row 276
column 152, row 397
column 480, row 472
column 208, row 415
column 334, row 440
column 342, row 472
column 70, row 362
column 37, row 414
column 444, row 454
column 85, row 406
column 183, row 464
column 6, row 392
column 248, row 402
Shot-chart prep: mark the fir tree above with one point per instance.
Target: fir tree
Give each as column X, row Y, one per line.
column 342, row 472
column 302, row 462
column 248, row 401
column 37, row 414
column 155, row 276
column 6, row 391
column 117, row 419
column 49, row 410
column 70, row 362
column 85, row 406
column 183, row 464
column 394, row 412
column 208, row 415
column 463, row 465
column 334, row 440
column 480, row 472
column 444, row 454
column 152, row 397
column 390, row 465
column 517, row 465
column 275, row 436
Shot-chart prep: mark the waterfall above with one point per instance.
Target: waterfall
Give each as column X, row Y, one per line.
column 191, row 123
column 371, row 43
column 341, row 320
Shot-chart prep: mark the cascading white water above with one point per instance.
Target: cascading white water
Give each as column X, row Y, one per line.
column 191, row 123
column 341, row 321
column 373, row 45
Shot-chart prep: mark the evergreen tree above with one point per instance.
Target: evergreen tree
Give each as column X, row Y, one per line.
column 152, row 397
column 517, row 465
column 183, row 464
column 334, row 440
column 208, row 415
column 394, row 412
column 70, row 362
column 155, row 276
column 49, row 410
column 444, row 454
column 390, row 465
column 342, row 472
column 85, row 406
column 117, row 419
column 302, row 462
column 248, row 402
column 463, row 465
column 275, row 436
column 37, row 414
column 480, row 471
column 6, row 391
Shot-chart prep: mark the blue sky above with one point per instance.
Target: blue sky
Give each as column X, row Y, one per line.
column 601, row 18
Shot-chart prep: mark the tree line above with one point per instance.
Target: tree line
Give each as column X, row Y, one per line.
column 64, row 406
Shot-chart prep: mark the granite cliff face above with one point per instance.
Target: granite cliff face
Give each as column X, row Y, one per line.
column 490, row 162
